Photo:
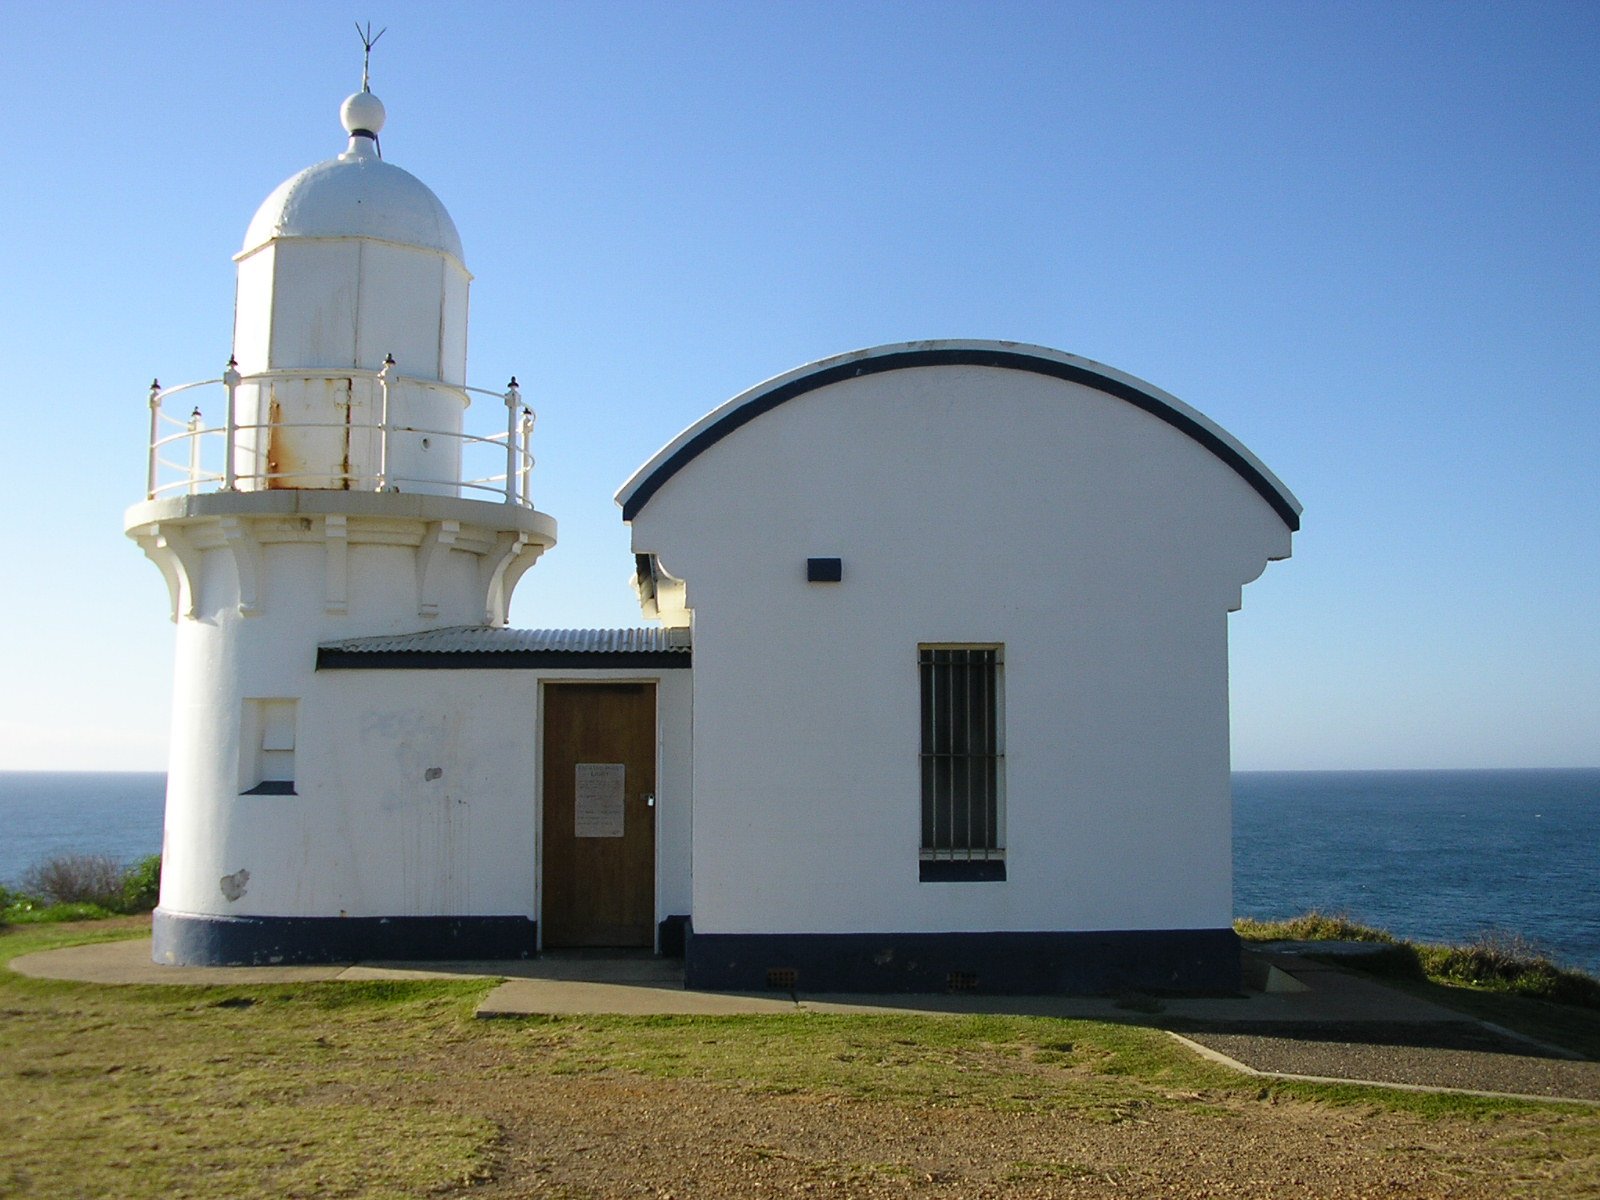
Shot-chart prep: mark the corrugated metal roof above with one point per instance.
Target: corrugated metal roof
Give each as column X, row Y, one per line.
column 476, row 639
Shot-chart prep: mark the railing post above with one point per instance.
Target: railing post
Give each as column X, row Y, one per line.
column 513, row 403
column 155, row 436
column 195, row 425
column 230, row 380
column 527, row 456
column 383, row 423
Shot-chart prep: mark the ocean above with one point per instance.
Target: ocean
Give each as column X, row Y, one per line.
column 1430, row 855
column 45, row 813
column 1442, row 856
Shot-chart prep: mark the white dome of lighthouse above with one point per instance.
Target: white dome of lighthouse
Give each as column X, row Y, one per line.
column 356, row 195
column 347, row 266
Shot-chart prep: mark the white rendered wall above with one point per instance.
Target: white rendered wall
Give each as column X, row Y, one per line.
column 225, row 658
column 368, row 833
column 1102, row 547
column 261, row 588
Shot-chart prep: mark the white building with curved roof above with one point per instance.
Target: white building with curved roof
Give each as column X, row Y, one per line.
column 936, row 694
column 961, row 671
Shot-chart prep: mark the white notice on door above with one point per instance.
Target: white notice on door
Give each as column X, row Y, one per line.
column 598, row 811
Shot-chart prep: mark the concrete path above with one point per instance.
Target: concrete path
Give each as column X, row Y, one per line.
column 129, row 962
column 1349, row 1028
column 634, row 984
column 1303, row 1020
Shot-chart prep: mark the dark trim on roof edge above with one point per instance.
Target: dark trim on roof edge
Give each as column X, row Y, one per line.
column 330, row 658
column 965, row 357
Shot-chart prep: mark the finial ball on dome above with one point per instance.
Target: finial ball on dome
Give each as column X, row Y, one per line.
column 362, row 111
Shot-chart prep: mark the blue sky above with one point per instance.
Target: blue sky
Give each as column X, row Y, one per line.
column 1362, row 237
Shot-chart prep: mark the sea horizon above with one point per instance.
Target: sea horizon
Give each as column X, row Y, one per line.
column 1431, row 854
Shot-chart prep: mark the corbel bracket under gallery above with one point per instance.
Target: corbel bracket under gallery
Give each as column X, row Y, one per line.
column 431, row 556
column 336, row 565
column 244, row 551
column 174, row 555
column 511, row 555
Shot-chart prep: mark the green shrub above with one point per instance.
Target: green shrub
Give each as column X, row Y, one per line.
column 141, row 885
column 31, row 912
column 1509, row 964
column 81, row 887
column 76, row 879
column 1494, row 962
column 1311, row 926
column 9, row 899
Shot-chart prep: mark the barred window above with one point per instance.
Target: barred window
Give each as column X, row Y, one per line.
column 963, row 825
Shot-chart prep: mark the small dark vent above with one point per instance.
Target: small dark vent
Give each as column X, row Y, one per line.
column 961, row 981
column 782, row 979
column 824, row 570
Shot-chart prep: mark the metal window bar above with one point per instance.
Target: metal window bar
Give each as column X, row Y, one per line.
column 960, row 752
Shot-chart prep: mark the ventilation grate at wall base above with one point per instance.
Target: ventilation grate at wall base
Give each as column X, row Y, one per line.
column 961, row 981
column 782, row 979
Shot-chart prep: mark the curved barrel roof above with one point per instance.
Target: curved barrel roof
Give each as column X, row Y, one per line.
column 1013, row 356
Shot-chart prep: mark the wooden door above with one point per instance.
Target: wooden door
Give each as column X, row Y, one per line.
column 599, row 814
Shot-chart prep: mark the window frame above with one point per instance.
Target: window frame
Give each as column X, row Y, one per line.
column 973, row 746
column 268, row 734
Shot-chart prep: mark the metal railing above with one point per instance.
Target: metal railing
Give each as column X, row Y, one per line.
column 192, row 454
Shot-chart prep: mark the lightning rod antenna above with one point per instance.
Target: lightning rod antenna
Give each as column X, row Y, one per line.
column 368, row 41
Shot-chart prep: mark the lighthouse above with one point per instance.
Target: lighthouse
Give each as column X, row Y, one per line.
column 339, row 480
column 934, row 697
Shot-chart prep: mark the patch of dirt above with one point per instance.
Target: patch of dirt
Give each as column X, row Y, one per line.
column 613, row 1135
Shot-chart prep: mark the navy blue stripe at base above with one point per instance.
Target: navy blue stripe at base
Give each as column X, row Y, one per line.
column 191, row 940
column 1167, row 961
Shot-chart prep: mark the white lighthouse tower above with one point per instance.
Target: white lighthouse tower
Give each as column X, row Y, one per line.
column 328, row 486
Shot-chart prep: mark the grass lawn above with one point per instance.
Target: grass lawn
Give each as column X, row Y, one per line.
column 394, row 1089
